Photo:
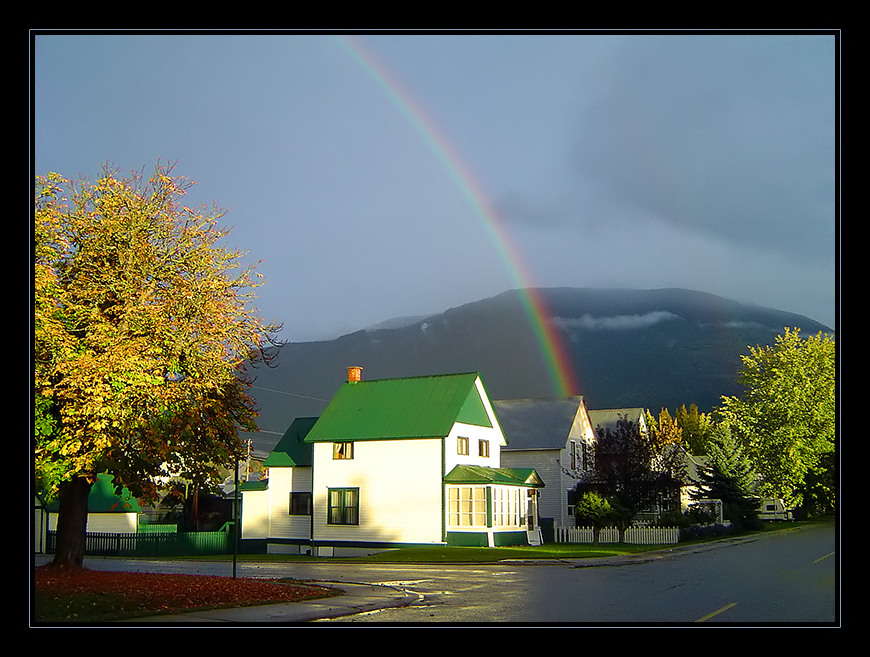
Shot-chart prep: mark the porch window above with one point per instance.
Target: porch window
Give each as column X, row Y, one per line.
column 343, row 506
column 466, row 506
column 462, row 446
column 342, row 451
column 300, row 504
column 507, row 507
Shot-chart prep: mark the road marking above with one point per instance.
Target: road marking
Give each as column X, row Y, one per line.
column 829, row 554
column 716, row 613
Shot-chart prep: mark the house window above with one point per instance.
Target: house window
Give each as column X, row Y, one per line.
column 483, row 448
column 462, row 446
column 343, row 506
column 300, row 504
column 341, row 451
column 506, row 507
column 573, row 447
column 466, row 506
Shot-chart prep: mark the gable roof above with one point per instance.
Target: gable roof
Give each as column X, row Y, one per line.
column 479, row 474
column 536, row 423
column 607, row 419
column 103, row 499
column 415, row 407
column 291, row 450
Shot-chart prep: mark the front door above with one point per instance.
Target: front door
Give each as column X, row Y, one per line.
column 532, row 510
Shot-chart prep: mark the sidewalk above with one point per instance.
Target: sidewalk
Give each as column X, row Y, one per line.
column 357, row 598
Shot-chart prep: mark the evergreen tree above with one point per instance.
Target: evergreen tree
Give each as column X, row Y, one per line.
column 729, row 477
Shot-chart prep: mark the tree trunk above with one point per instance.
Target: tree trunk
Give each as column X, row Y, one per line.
column 72, row 522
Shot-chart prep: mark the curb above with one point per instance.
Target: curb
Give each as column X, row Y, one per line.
column 357, row 598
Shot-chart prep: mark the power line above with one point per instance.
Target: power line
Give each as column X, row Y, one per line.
column 291, row 394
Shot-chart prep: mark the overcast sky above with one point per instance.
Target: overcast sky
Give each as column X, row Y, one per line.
column 389, row 175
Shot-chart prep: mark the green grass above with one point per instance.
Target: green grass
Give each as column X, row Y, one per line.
column 460, row 554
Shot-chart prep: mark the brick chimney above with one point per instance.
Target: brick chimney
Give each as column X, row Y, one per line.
column 354, row 373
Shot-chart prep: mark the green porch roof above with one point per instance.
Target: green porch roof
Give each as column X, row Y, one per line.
column 478, row 474
column 415, row 407
column 291, row 451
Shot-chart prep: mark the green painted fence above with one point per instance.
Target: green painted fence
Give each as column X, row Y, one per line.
column 150, row 544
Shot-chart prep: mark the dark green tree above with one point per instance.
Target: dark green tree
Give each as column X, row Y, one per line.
column 594, row 511
column 730, row 477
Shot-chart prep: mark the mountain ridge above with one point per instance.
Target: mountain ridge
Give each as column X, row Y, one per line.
column 627, row 347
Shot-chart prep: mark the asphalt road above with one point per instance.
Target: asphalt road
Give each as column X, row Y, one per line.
column 787, row 577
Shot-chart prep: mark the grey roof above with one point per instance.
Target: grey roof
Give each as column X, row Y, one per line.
column 536, row 423
column 607, row 419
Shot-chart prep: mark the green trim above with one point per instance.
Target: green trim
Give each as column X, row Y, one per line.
column 369, row 544
column 468, row 539
column 502, row 539
column 249, row 486
column 443, row 491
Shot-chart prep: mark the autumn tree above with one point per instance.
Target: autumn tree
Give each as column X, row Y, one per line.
column 786, row 417
column 143, row 328
column 696, row 427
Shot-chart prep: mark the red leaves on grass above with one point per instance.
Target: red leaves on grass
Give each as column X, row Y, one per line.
column 159, row 593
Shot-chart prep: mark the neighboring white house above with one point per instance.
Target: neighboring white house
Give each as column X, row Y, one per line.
column 609, row 418
column 108, row 512
column 279, row 508
column 393, row 463
column 557, row 439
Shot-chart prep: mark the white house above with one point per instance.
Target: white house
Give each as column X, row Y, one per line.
column 393, row 463
column 108, row 512
column 556, row 438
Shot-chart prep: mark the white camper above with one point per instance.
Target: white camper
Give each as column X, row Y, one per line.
column 774, row 509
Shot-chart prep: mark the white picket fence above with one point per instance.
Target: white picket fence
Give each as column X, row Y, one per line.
column 633, row 535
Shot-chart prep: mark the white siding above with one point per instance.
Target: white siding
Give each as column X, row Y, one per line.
column 555, row 469
column 121, row 523
column 283, row 481
column 255, row 513
column 474, row 434
column 400, row 491
column 552, row 502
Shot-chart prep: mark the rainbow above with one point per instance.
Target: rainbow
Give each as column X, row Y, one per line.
column 549, row 339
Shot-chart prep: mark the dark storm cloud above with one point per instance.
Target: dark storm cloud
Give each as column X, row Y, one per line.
column 731, row 136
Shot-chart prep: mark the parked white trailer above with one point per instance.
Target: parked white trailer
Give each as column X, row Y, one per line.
column 774, row 509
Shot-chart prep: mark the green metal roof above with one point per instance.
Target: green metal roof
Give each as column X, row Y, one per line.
column 103, row 499
column 291, row 451
column 415, row 407
column 478, row 474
